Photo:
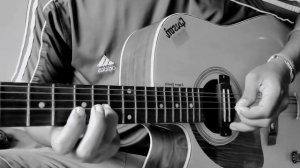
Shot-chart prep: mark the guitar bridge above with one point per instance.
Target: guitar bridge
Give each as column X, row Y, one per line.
column 225, row 104
column 298, row 106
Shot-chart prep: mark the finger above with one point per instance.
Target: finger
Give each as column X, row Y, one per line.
column 111, row 118
column 108, row 150
column 242, row 127
column 64, row 139
column 254, row 122
column 265, row 107
column 250, row 92
column 89, row 145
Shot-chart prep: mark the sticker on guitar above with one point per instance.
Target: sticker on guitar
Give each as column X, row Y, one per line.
column 175, row 27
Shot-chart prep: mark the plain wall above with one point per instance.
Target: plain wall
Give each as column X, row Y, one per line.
column 12, row 26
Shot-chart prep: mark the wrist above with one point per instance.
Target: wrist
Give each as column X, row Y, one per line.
column 286, row 62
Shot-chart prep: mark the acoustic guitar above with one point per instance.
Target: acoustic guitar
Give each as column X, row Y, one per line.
column 180, row 78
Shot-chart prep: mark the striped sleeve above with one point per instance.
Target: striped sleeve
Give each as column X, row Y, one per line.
column 286, row 10
column 45, row 54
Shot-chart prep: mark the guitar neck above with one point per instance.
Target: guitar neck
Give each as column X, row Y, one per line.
column 31, row 104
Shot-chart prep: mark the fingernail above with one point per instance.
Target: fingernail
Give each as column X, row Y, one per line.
column 80, row 111
column 237, row 109
column 98, row 108
column 233, row 128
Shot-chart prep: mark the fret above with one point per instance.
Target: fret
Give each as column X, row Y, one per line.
column 64, row 102
column 116, row 99
column 181, row 105
column 178, row 104
column 128, row 101
column 199, row 104
column 140, row 104
column 193, row 107
column 184, row 105
column 74, row 96
column 156, row 108
column 165, row 105
column 196, row 104
column 108, row 95
column 161, row 108
column 146, row 105
column 28, row 106
column 52, row 105
column 123, row 108
column 93, row 95
column 169, row 105
column 151, row 104
column 40, row 104
column 135, row 104
column 190, row 105
column 173, row 105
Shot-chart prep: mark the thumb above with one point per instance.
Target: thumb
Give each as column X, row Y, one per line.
column 250, row 92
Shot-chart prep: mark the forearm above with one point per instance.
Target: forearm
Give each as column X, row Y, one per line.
column 292, row 47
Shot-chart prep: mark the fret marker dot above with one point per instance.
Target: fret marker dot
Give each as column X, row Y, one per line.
column 177, row 105
column 161, row 106
column 83, row 104
column 129, row 117
column 191, row 105
column 42, row 105
column 129, row 91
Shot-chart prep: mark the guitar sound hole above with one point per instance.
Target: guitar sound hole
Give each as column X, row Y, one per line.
column 213, row 110
column 210, row 105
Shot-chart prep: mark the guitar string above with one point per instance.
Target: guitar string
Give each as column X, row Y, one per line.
column 120, row 108
column 125, row 90
column 112, row 89
column 175, row 93
column 115, row 101
column 189, row 97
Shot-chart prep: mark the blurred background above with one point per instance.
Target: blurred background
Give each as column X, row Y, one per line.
column 12, row 26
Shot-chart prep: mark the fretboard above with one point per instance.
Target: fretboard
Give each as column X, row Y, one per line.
column 25, row 104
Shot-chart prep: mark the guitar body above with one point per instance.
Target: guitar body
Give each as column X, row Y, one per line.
column 184, row 51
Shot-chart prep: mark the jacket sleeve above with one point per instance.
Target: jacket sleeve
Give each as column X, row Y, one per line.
column 46, row 50
column 282, row 9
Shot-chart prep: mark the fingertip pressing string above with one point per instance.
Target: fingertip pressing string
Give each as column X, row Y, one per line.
column 289, row 63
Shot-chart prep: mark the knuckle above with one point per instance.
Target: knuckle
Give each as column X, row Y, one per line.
column 265, row 114
column 251, row 76
column 266, row 123
column 249, row 98
column 59, row 147
column 84, row 155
